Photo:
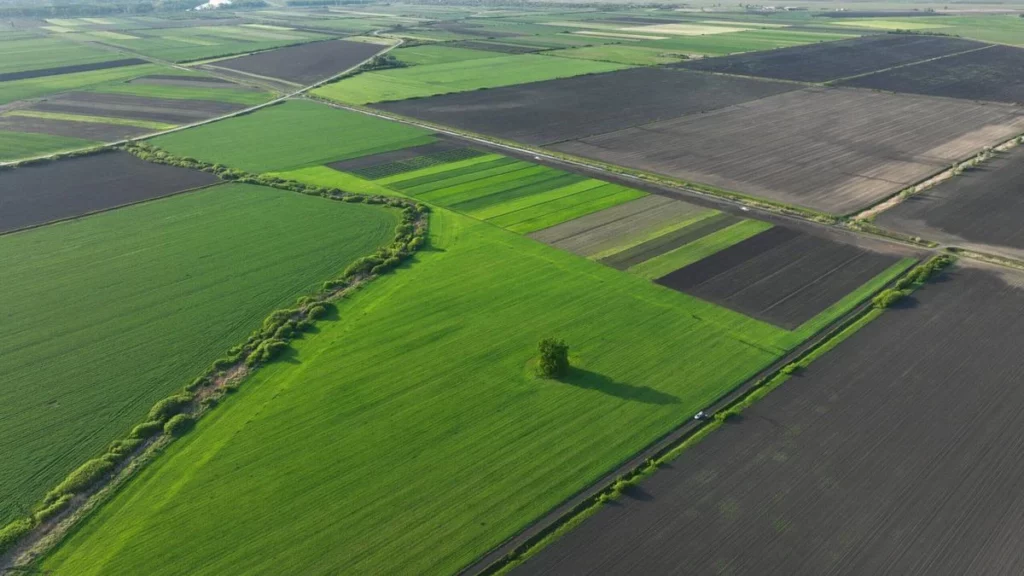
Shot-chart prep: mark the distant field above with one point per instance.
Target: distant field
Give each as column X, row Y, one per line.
column 292, row 135
column 108, row 314
column 464, row 322
column 304, row 64
column 34, row 87
column 991, row 74
column 427, row 55
column 746, row 41
column 15, row 144
column 834, row 60
column 40, row 53
column 420, row 81
column 623, row 54
column 199, row 42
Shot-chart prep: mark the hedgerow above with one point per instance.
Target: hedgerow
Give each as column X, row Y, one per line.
column 169, row 406
column 178, row 425
column 14, row 531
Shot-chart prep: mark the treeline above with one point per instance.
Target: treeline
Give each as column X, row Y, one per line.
column 913, row 280
column 103, row 9
column 176, row 414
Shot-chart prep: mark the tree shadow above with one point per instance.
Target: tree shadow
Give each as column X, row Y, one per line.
column 582, row 378
column 636, row 492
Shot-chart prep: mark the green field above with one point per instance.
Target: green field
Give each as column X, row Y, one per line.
column 292, row 135
column 201, row 42
column 39, row 53
column 427, row 55
column 233, row 95
column 34, row 87
column 105, row 315
column 89, row 119
column 623, row 54
column 747, row 41
column 409, row 435
column 420, row 81
column 17, row 145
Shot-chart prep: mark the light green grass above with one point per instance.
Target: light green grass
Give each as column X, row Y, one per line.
column 105, row 315
column 699, row 249
column 90, row 119
column 234, row 96
column 563, row 210
column 292, row 135
column 409, row 436
column 420, row 81
column 50, row 52
column 622, row 53
column 330, row 178
column 429, row 55
column 17, row 145
column 34, row 87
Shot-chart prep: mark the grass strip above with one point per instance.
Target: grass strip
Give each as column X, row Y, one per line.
column 469, row 178
column 91, row 119
column 572, row 212
column 699, row 249
column 633, row 241
column 526, row 189
column 399, row 181
column 670, row 241
column 506, row 208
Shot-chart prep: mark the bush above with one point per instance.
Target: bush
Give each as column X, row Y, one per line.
column 791, row 368
column 53, row 509
column 147, row 429
column 886, row 298
column 317, row 311
column 554, row 358
column 13, row 532
column 168, row 407
column 83, row 477
column 178, row 425
column 122, row 448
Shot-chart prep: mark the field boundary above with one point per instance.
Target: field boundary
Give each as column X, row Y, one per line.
column 578, row 507
column 25, row 539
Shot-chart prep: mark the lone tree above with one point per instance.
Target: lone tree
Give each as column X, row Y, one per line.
column 554, row 358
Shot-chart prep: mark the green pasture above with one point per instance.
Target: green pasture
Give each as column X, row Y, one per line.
column 50, row 52
column 107, row 314
column 429, row 80
column 409, row 435
column 35, row 87
column 17, row 145
column 623, row 54
column 217, row 94
column 291, row 135
column 427, row 55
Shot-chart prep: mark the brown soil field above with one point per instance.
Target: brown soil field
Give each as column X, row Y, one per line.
column 73, row 187
column 305, row 63
column 992, row 74
column 982, row 209
column 670, row 241
column 69, row 69
column 834, row 150
column 549, row 111
column 616, row 226
column 898, row 452
column 827, row 61
column 136, row 107
column 780, row 276
column 84, row 130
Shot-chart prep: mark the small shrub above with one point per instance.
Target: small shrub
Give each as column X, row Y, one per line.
column 168, row 407
column 84, row 476
column 554, row 358
column 147, row 429
column 53, row 509
column 122, row 448
column 886, row 298
column 178, row 425
column 791, row 368
column 13, row 532
column 316, row 312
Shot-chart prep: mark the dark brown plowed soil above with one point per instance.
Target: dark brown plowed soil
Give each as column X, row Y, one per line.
column 833, row 60
column 780, row 276
column 671, row 241
column 9, row 76
column 558, row 110
column 983, row 207
column 305, row 63
column 136, row 107
column 993, row 74
column 84, row 130
column 899, row 452
column 63, row 189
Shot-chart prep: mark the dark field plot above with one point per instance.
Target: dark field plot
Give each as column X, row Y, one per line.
column 306, row 63
column 362, row 162
column 70, row 69
column 834, row 150
column 780, row 275
column 495, row 47
column 85, row 130
column 898, row 452
column 992, row 74
column 185, row 81
column 833, row 60
column 63, row 189
column 404, row 160
column 557, row 110
column 982, row 208
column 670, row 241
column 136, row 107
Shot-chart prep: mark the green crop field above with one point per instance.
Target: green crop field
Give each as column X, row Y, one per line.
column 409, row 435
column 419, row 81
column 16, row 145
column 623, row 54
column 201, row 42
column 429, row 55
column 38, row 53
column 105, row 315
column 34, row 87
column 292, row 135
column 218, row 94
